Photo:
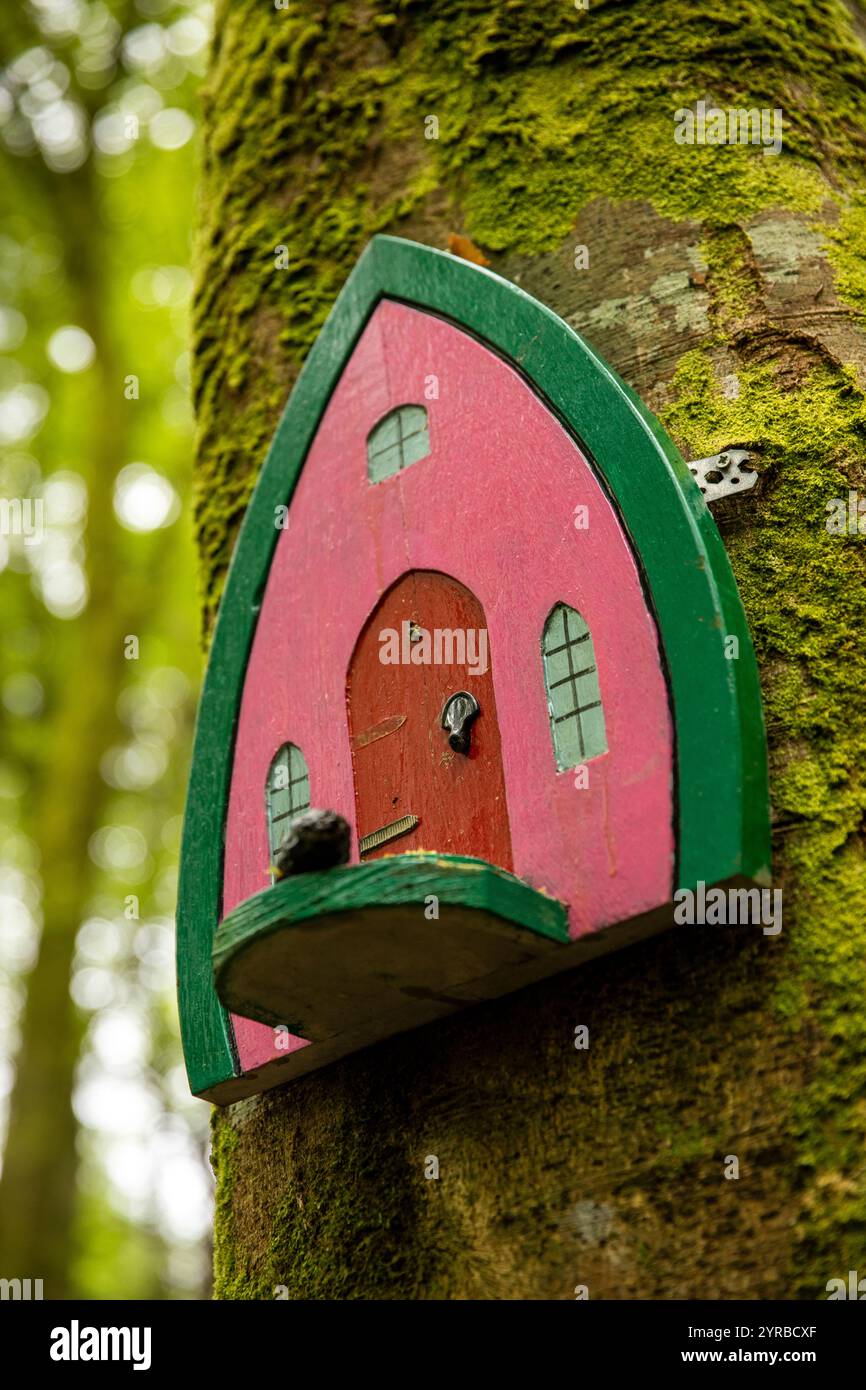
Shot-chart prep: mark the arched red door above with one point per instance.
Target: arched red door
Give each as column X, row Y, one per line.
column 425, row 643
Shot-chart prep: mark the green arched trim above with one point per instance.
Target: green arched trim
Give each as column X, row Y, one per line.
column 722, row 802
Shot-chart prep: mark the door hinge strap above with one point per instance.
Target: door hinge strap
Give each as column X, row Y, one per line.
column 387, row 832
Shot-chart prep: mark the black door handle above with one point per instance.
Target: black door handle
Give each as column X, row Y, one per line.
column 461, row 710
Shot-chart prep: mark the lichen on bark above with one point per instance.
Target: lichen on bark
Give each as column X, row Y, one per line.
column 729, row 288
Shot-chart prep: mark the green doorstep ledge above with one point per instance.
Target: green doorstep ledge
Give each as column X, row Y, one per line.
column 354, row 954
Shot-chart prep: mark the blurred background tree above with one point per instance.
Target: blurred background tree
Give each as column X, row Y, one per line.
column 104, row 1189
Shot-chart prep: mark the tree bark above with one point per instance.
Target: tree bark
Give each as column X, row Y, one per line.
column 728, row 287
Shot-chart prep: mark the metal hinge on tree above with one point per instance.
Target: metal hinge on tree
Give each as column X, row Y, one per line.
column 720, row 475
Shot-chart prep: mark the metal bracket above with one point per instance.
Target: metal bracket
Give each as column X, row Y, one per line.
column 722, row 474
column 387, row 832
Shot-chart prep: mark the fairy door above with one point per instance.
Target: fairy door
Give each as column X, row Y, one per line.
column 422, row 717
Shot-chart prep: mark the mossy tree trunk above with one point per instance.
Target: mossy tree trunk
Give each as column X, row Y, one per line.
column 729, row 288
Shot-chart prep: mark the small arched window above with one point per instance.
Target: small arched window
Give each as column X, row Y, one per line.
column 287, row 793
column 401, row 437
column 573, row 695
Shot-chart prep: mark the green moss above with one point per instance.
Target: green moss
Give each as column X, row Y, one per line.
column 805, row 595
column 339, row 1179
column 847, row 252
column 733, row 281
column 233, row 1278
column 540, row 110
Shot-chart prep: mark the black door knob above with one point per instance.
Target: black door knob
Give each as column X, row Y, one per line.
column 461, row 709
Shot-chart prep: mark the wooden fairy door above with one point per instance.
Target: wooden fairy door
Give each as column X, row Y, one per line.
column 425, row 643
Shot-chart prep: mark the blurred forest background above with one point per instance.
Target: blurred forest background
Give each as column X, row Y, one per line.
column 105, row 1189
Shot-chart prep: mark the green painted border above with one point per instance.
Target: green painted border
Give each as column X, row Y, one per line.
column 721, row 762
column 456, row 880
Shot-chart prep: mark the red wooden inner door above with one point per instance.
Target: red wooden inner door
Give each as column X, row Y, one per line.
column 403, row 764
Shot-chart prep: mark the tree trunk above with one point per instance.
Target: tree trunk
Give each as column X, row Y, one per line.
column 37, row 1188
column 726, row 286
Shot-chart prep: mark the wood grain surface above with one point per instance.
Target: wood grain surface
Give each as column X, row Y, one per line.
column 459, row 799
